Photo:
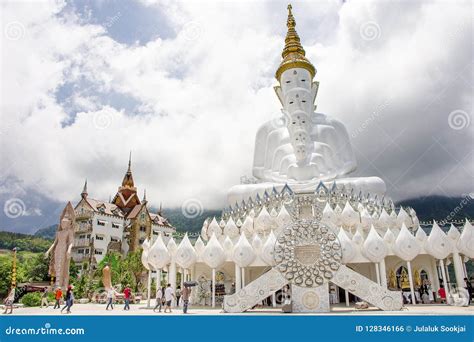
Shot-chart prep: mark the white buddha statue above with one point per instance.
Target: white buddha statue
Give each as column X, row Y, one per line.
column 302, row 147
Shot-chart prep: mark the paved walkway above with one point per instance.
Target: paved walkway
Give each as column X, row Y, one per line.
column 340, row 309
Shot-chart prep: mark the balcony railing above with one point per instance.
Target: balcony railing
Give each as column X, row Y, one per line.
column 82, row 242
column 83, row 229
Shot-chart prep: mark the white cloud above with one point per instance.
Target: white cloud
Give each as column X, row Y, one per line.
column 203, row 94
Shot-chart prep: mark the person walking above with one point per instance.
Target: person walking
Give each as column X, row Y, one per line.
column 69, row 299
column 178, row 295
column 185, row 294
column 442, row 294
column 9, row 300
column 469, row 289
column 58, row 295
column 44, row 298
column 159, row 299
column 110, row 298
column 169, row 295
column 127, row 292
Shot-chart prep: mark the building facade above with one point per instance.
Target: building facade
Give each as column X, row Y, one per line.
column 121, row 224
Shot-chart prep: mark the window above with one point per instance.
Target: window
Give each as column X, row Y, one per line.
column 97, row 252
column 115, row 225
column 87, row 251
column 80, row 251
column 99, row 237
column 82, row 236
column 141, row 241
column 114, row 239
column 100, row 223
column 143, row 229
column 155, row 232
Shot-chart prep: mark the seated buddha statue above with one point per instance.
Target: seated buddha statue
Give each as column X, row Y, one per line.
column 302, row 147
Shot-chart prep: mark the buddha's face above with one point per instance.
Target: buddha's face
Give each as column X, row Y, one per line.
column 297, row 102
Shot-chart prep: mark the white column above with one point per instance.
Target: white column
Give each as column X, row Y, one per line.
column 182, row 277
column 410, row 278
column 274, row 302
column 243, row 277
column 238, row 278
column 464, row 268
column 458, row 269
column 193, row 272
column 347, row 297
column 383, row 274
column 377, row 272
column 443, row 274
column 213, row 287
column 158, row 277
column 148, row 290
column 172, row 277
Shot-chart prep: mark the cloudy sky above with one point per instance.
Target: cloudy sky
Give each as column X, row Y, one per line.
column 185, row 86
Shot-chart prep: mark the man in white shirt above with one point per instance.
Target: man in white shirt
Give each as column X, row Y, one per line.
column 169, row 295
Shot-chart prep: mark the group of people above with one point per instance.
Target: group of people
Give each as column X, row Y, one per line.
column 165, row 296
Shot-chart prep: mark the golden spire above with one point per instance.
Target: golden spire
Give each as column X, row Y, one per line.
column 293, row 54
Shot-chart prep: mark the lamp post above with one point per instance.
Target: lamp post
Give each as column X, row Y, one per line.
column 14, row 267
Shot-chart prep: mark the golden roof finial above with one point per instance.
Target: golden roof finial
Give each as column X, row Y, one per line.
column 293, row 54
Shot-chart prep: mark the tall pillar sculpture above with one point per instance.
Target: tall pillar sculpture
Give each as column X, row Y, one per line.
column 214, row 256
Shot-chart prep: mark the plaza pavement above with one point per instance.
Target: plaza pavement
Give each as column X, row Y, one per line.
column 339, row 309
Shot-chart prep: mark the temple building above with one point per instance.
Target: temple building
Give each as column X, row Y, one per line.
column 93, row 227
column 303, row 223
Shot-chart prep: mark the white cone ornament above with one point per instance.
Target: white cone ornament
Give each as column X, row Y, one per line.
column 349, row 217
column 438, row 244
column 228, row 247
column 247, row 226
column 406, row 246
column 358, row 239
column 403, row 217
column 263, row 221
column 337, row 214
column 243, row 254
column 283, row 219
column 199, row 247
column 204, row 235
column 214, row 228
column 172, row 247
column 213, row 255
column 374, row 246
column 393, row 220
column 389, row 237
column 384, row 219
column 268, row 250
column 465, row 243
column 375, row 219
column 421, row 235
column 159, row 255
column 348, row 248
column 146, row 248
column 185, row 254
column 257, row 244
column 231, row 229
column 365, row 219
column 454, row 233
column 329, row 217
column 273, row 217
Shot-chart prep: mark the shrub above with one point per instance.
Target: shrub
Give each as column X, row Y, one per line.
column 31, row 299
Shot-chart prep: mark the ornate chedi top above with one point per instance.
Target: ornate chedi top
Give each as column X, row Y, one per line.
column 293, row 54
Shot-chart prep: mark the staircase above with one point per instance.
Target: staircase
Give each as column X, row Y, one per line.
column 367, row 290
column 353, row 282
column 255, row 292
